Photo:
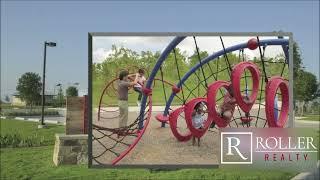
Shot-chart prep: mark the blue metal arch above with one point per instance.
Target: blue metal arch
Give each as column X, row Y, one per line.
column 172, row 45
column 154, row 71
column 282, row 42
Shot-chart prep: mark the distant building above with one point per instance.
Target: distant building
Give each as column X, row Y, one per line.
column 17, row 101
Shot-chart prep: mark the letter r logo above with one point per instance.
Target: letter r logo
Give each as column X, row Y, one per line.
column 237, row 140
column 236, row 148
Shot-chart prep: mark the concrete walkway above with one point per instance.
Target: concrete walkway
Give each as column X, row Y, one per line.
column 307, row 124
column 313, row 175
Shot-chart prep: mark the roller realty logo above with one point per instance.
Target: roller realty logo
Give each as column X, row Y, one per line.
column 273, row 146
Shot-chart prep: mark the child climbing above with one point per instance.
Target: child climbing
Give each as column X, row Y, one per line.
column 198, row 119
column 229, row 104
column 138, row 87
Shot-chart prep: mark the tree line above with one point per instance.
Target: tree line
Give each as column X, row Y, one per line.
column 306, row 86
column 29, row 88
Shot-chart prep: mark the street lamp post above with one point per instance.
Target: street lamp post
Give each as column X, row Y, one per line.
column 60, row 100
column 50, row 44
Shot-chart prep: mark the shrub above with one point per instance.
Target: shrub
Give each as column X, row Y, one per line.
column 27, row 113
column 15, row 140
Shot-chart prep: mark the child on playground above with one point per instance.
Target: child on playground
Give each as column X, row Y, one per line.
column 229, row 104
column 138, row 86
column 198, row 119
column 123, row 86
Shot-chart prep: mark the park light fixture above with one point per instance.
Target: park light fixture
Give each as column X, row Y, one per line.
column 50, row 44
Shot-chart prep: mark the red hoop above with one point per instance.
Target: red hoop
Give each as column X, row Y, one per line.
column 175, row 89
column 162, row 118
column 236, row 77
column 146, row 91
column 211, row 99
column 189, row 108
column 173, row 118
column 271, row 91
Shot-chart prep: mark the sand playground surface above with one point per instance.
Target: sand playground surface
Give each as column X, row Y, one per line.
column 157, row 145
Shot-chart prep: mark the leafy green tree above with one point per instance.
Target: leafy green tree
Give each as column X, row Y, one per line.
column 297, row 63
column 317, row 94
column 29, row 87
column 71, row 91
column 307, row 86
column 194, row 59
column 305, row 89
column 170, row 64
column 297, row 60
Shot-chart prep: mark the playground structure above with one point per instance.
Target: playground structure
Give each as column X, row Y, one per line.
column 264, row 91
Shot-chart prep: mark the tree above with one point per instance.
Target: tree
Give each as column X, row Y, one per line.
column 194, row 59
column 72, row 91
column 307, row 86
column 297, row 61
column 29, row 88
column 317, row 94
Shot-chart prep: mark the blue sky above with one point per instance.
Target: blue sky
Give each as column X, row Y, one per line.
column 26, row 25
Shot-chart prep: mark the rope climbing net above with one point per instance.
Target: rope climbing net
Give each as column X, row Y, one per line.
column 265, row 89
column 111, row 142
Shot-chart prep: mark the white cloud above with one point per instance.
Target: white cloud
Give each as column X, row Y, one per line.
column 100, row 54
column 102, row 45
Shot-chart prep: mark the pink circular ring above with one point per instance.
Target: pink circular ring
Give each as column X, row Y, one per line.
column 211, row 99
column 271, row 90
column 236, row 77
column 173, row 118
column 189, row 108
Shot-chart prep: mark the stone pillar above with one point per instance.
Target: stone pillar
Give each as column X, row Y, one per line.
column 70, row 149
column 76, row 115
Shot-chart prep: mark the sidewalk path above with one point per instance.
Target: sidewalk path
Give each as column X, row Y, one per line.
column 313, row 175
column 47, row 119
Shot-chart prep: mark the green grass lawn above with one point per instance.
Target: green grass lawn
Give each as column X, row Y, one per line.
column 27, row 133
column 36, row 163
column 315, row 117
